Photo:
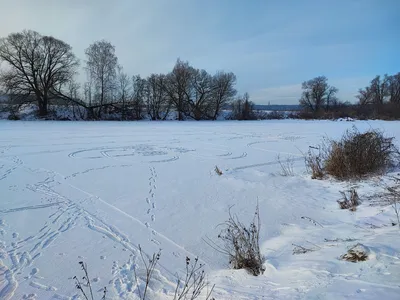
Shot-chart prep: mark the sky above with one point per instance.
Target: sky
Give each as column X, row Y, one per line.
column 271, row 45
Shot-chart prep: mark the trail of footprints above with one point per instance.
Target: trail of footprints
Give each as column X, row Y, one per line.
column 22, row 252
column 151, row 202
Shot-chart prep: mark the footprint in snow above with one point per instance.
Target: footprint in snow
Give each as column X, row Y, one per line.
column 103, row 257
column 34, row 271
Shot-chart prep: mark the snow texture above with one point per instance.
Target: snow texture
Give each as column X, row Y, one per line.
column 94, row 191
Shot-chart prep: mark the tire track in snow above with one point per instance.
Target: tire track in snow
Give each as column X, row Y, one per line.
column 243, row 155
column 225, row 154
column 174, row 158
column 4, row 211
column 271, row 163
column 75, row 153
column 97, row 169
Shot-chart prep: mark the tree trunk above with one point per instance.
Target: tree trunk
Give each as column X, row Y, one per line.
column 90, row 113
column 42, row 103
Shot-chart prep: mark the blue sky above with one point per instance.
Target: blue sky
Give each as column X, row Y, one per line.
column 272, row 46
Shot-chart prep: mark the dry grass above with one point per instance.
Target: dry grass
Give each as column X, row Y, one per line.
column 84, row 284
column 192, row 286
column 241, row 244
column 314, row 164
column 218, row 171
column 358, row 154
column 299, row 249
column 356, row 253
column 286, row 165
column 394, row 198
column 354, row 156
column 350, row 202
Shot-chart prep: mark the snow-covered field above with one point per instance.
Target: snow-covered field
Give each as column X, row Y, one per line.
column 94, row 191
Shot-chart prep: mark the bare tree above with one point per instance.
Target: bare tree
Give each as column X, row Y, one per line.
column 139, row 91
column 38, row 66
column 157, row 102
column 200, row 94
column 365, row 96
column 379, row 88
column 102, row 65
column 380, row 91
column 123, row 89
column 223, row 91
column 243, row 108
column 394, row 88
column 317, row 93
column 178, row 87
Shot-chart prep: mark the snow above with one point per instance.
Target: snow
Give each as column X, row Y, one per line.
column 95, row 191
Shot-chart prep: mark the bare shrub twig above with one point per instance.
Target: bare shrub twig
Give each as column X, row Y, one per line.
column 85, row 286
column 241, row 243
column 350, row 202
column 286, row 165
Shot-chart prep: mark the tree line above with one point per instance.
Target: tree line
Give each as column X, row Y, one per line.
column 42, row 70
column 380, row 99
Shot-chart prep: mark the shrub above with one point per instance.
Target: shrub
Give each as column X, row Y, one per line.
column 314, row 164
column 275, row 115
column 350, row 202
column 357, row 154
column 241, row 244
column 13, row 117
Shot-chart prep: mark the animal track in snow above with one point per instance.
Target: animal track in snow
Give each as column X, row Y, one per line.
column 42, row 286
column 151, row 199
